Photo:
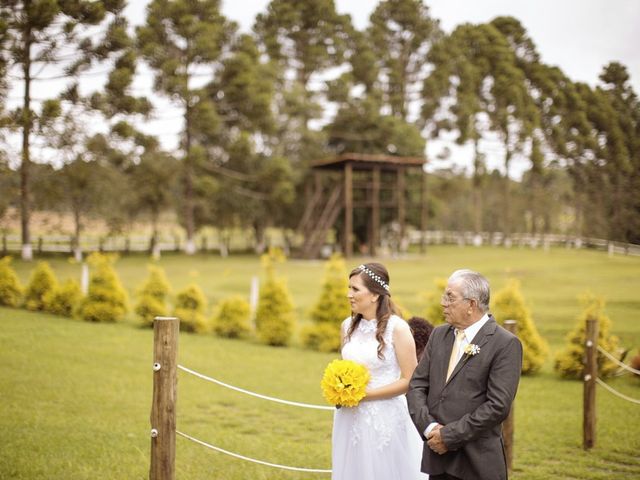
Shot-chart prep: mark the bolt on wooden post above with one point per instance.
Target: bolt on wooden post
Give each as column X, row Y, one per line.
column 508, row 424
column 589, row 378
column 163, row 407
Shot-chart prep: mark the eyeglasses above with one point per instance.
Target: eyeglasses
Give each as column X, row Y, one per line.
column 447, row 299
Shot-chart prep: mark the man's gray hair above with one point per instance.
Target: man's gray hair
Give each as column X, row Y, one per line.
column 474, row 287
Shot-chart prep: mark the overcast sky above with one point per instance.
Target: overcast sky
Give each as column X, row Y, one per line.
column 579, row 36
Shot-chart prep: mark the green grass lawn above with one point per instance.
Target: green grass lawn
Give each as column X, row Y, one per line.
column 76, row 397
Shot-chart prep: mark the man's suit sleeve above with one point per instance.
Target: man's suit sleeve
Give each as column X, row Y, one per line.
column 418, row 392
column 501, row 390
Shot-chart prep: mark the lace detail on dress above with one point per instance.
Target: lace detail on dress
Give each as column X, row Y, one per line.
column 381, row 415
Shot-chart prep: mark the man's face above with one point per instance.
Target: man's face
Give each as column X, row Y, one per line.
column 455, row 306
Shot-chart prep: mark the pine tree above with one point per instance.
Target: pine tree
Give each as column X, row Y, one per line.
column 178, row 37
column 509, row 304
column 434, row 312
column 190, row 307
column 42, row 282
column 106, row 300
column 153, row 295
column 232, row 318
column 331, row 308
column 10, row 289
column 570, row 361
column 63, row 299
column 274, row 315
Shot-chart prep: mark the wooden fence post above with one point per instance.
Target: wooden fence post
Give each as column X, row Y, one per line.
column 163, row 407
column 590, row 375
column 508, row 424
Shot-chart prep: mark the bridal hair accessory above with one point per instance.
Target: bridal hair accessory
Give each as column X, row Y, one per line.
column 344, row 382
column 374, row 276
column 471, row 349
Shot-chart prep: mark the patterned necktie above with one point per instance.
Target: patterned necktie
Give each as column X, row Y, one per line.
column 453, row 359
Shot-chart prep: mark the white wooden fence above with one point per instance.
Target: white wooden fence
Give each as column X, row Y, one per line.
column 11, row 244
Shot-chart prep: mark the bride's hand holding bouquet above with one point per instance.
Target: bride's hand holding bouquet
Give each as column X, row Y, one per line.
column 344, row 383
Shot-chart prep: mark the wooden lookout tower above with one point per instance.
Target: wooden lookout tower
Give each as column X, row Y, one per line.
column 365, row 186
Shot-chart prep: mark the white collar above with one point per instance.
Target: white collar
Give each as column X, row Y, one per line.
column 472, row 330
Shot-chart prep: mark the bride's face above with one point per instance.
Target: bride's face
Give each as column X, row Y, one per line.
column 362, row 300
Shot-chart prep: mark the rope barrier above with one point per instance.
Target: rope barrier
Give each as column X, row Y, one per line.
column 615, row 392
column 242, row 457
column 618, row 362
column 264, row 397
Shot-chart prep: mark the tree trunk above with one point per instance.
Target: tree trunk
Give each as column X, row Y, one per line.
column 478, row 171
column 25, row 204
column 77, row 252
column 507, row 191
column 190, row 246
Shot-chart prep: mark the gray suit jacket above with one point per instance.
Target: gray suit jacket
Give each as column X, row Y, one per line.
column 471, row 405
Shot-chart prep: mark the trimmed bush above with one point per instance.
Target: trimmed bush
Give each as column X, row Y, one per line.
column 331, row 308
column 42, row 282
column 509, row 304
column 274, row 315
column 190, row 307
column 63, row 299
column 106, row 300
column 434, row 312
column 10, row 288
column 332, row 305
column 323, row 337
column 569, row 361
column 232, row 318
column 152, row 297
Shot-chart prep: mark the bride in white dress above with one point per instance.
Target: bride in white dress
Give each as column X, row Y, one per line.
column 377, row 440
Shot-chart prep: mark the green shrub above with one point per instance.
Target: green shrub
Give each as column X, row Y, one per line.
column 569, row 361
column 106, row 300
column 332, row 305
column 323, row 337
column 434, row 312
column 509, row 304
column 10, row 288
column 63, row 299
column 42, row 282
column 232, row 318
column 152, row 297
column 274, row 315
column 331, row 308
column 190, row 307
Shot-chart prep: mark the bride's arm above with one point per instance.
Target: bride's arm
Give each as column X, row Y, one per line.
column 406, row 354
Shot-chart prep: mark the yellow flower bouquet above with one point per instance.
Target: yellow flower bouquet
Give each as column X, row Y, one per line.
column 343, row 383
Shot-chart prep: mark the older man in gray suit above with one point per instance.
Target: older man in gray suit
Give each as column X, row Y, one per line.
column 464, row 386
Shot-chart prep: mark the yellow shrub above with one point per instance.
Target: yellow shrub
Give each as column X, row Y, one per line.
column 232, row 317
column 274, row 315
column 10, row 288
column 42, row 282
column 569, row 361
column 190, row 307
column 509, row 304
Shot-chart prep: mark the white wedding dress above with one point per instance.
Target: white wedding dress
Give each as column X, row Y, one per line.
column 375, row 440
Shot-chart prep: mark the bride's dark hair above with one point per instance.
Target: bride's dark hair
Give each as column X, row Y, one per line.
column 385, row 307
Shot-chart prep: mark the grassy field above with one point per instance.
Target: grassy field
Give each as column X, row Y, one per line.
column 76, row 397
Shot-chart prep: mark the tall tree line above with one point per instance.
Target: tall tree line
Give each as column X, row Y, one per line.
column 305, row 84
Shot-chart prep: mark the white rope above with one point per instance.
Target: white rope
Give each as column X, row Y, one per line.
column 615, row 392
column 616, row 361
column 264, row 397
column 242, row 457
